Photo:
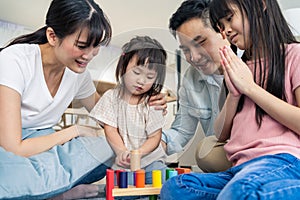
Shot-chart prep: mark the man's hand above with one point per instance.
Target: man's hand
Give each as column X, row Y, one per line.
column 159, row 102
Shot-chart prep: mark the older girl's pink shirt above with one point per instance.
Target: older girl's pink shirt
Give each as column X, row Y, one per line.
column 247, row 140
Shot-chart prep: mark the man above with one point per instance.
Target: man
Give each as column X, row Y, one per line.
column 202, row 88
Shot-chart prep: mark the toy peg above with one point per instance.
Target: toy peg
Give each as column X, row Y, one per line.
column 156, row 178
column 123, row 179
column 183, row 170
column 170, row 173
column 153, row 197
column 135, row 160
column 140, row 178
column 118, row 175
column 109, row 184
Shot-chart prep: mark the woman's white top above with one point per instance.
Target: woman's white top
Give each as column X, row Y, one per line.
column 21, row 69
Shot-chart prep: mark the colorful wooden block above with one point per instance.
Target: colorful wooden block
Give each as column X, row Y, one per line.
column 183, row 170
column 140, row 188
column 109, row 184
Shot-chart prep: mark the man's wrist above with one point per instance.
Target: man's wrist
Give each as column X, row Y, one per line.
column 164, row 138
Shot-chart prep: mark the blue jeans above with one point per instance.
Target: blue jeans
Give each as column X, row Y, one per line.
column 266, row 177
column 157, row 165
column 79, row 161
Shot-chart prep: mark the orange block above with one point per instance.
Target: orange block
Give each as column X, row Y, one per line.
column 140, row 178
column 183, row 170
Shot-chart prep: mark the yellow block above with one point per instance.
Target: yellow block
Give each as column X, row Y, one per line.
column 156, row 178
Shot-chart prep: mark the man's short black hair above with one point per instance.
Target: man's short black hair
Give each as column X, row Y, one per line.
column 189, row 9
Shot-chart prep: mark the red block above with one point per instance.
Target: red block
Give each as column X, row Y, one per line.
column 109, row 184
column 183, row 170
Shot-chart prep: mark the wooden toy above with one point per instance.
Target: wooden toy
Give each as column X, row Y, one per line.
column 140, row 188
column 170, row 173
column 140, row 178
column 156, row 178
column 135, row 160
column 183, row 170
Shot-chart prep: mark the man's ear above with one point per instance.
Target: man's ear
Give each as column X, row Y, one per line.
column 51, row 36
column 223, row 35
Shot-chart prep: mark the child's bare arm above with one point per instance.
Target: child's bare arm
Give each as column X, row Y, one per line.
column 114, row 139
column 151, row 143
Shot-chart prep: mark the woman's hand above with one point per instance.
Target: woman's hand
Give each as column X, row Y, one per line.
column 123, row 159
column 238, row 77
column 159, row 101
column 85, row 131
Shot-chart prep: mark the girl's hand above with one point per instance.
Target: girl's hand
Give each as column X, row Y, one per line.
column 238, row 77
column 123, row 159
column 160, row 102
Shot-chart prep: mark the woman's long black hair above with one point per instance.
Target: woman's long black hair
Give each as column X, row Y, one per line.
column 269, row 34
column 66, row 17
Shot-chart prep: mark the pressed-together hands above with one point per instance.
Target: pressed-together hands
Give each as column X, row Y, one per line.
column 238, row 77
column 239, row 80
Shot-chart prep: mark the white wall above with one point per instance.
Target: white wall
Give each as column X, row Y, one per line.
column 9, row 31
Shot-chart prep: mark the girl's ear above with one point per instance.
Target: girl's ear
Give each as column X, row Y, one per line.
column 51, row 36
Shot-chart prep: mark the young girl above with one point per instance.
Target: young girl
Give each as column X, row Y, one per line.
column 261, row 113
column 129, row 123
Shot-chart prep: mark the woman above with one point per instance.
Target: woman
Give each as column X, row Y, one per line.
column 40, row 74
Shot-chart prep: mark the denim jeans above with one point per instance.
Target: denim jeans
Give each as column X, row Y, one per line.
column 79, row 161
column 266, row 177
column 157, row 165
